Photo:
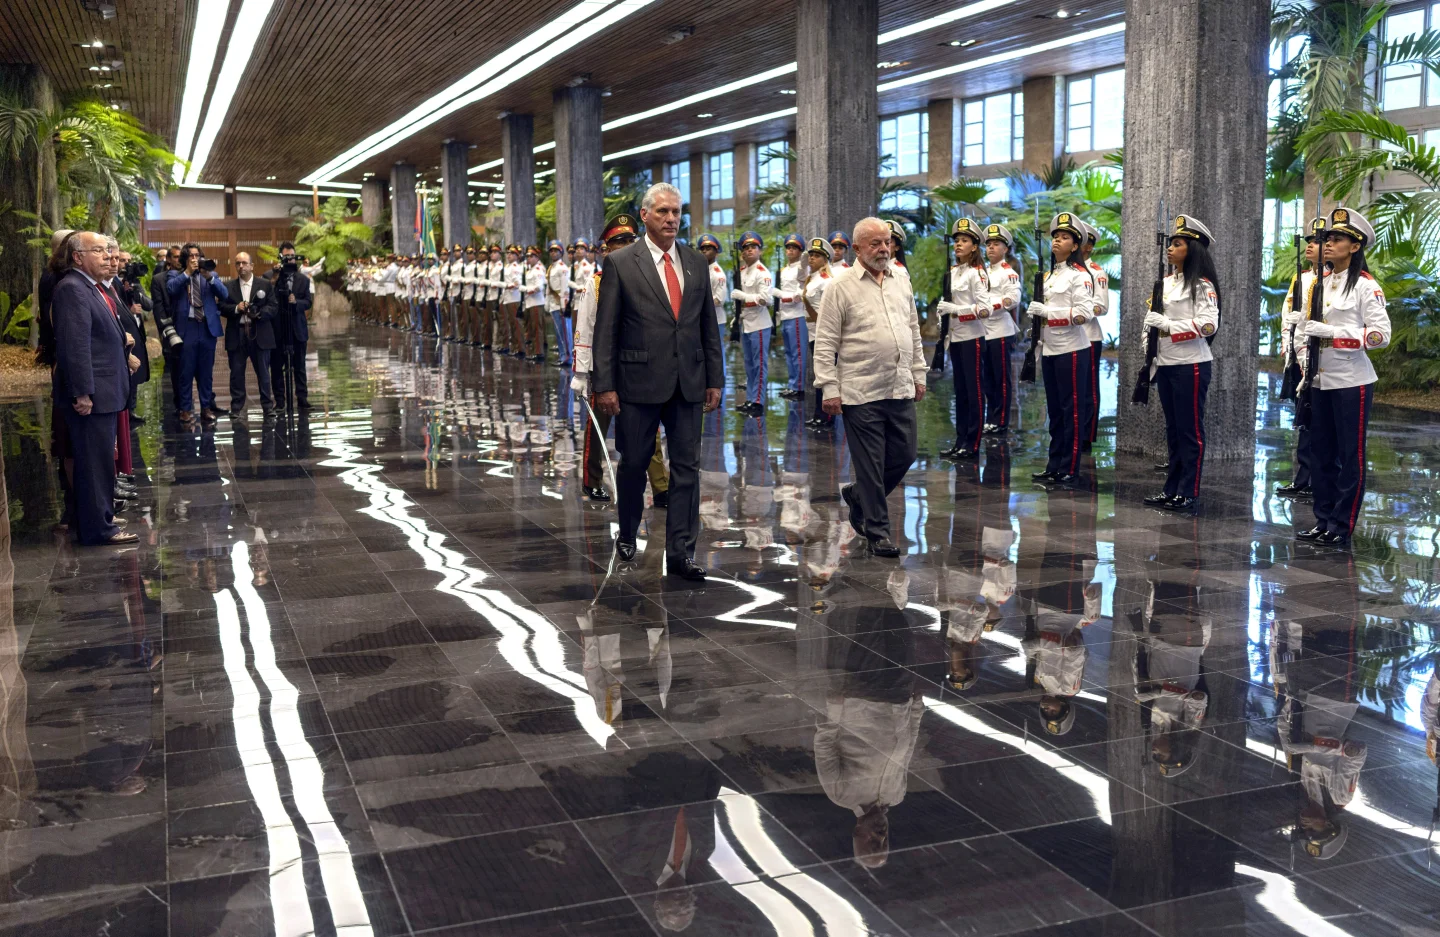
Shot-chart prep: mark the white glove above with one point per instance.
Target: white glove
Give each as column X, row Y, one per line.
column 738, row 295
column 1154, row 320
column 1039, row 311
column 1320, row 330
column 982, row 310
column 580, row 383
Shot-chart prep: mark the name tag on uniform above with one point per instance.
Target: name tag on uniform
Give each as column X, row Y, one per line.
column 1057, row 323
column 1346, row 344
column 1182, row 336
column 969, row 318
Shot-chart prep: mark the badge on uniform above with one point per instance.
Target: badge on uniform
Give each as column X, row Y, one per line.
column 1341, row 216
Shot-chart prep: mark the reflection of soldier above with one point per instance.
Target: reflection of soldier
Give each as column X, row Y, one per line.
column 1429, row 710
column 1055, row 645
column 1313, row 674
column 863, row 752
column 1169, row 674
column 757, row 496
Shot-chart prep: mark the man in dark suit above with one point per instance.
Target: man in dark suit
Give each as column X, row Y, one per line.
column 92, row 386
column 195, row 294
column 657, row 360
column 292, row 321
column 249, row 334
column 167, row 265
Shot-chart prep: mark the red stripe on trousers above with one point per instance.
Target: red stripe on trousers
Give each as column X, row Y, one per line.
column 1360, row 462
column 585, row 457
column 1199, row 430
column 979, row 391
column 1004, row 383
column 1074, row 412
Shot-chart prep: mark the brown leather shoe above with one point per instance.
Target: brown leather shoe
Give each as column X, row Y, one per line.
column 208, row 415
column 186, row 416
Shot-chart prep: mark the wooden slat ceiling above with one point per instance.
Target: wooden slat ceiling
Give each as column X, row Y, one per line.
column 329, row 72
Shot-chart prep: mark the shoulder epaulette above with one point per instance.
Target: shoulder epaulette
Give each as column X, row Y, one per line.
column 1005, row 264
column 1366, row 274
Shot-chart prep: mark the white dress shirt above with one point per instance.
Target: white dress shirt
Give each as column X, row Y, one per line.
column 659, row 257
column 867, row 340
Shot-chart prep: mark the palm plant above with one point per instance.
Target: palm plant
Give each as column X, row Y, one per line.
column 332, row 236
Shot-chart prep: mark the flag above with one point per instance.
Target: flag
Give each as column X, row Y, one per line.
column 424, row 234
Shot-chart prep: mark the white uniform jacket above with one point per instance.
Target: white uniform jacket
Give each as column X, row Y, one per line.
column 514, row 281
column 718, row 291
column 968, row 307
column 1059, row 652
column 1361, row 325
column 1189, row 321
column 752, row 299
column 494, row 279
column 1102, row 300
column 557, row 286
column 533, row 285
column 815, row 290
column 792, row 287
column 1290, row 318
column 584, row 312
column 1069, row 304
column 385, row 280
column 1002, row 283
column 471, row 273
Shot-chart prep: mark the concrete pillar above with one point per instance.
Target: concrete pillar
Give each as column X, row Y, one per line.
column 699, row 211
column 579, row 189
column 743, row 158
column 402, row 209
column 1044, row 122
column 517, row 146
column 1195, row 97
column 455, row 193
column 946, row 146
column 372, row 200
column 837, row 122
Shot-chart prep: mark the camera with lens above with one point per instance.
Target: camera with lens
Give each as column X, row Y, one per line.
column 169, row 338
column 207, row 264
column 132, row 272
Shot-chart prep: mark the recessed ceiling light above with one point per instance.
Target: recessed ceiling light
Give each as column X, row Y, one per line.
column 367, row 175
column 269, row 178
column 890, row 64
column 705, row 115
column 94, row 68
column 787, row 90
column 967, row 43
column 1061, row 14
column 97, row 44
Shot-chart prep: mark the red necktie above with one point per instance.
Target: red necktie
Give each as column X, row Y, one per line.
column 672, row 283
column 106, row 296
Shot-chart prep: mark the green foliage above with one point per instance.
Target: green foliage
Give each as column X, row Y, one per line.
column 1409, row 278
column 332, row 236
column 17, row 330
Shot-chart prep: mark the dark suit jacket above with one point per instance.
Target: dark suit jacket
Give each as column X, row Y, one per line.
column 89, row 347
column 262, row 313
column 640, row 349
column 295, row 315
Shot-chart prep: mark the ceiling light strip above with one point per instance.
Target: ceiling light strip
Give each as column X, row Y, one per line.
column 204, row 42
column 251, row 20
column 944, row 19
column 701, row 96
column 708, row 132
column 1002, row 57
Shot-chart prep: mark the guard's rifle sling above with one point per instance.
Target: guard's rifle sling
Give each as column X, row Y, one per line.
column 1291, row 378
column 1037, row 295
column 739, row 304
column 1141, row 394
column 1315, row 312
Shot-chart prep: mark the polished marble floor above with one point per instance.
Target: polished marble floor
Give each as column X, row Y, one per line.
column 376, row 672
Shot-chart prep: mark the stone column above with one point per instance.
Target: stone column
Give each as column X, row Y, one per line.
column 517, row 146
column 699, row 211
column 455, row 193
column 1044, row 122
column 372, row 200
column 946, row 146
column 743, row 159
column 402, row 208
column 837, row 122
column 1195, row 98
column 579, row 190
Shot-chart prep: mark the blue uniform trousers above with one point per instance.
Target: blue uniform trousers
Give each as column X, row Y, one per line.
column 757, row 351
column 1067, row 404
column 999, row 389
column 1338, row 424
column 967, row 364
column 1183, row 390
column 797, row 337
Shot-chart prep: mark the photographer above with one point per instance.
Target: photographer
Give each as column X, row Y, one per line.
column 249, row 335
column 195, row 293
column 168, row 265
column 135, row 304
column 292, row 325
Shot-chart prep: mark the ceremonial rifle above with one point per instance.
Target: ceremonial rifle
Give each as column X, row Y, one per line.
column 1315, row 312
column 1141, row 395
column 1291, row 372
column 1037, row 295
column 739, row 304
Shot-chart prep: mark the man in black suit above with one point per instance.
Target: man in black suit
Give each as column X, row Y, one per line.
column 249, row 334
column 92, row 385
column 657, row 360
column 292, row 311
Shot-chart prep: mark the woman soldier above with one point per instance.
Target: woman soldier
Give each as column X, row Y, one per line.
column 1291, row 326
column 819, row 259
column 966, row 306
column 1182, row 362
column 1069, row 304
column 1003, row 289
column 1354, row 322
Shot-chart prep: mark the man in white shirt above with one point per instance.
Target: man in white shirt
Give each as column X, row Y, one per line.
column 870, row 364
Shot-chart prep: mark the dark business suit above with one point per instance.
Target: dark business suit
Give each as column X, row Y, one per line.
column 90, row 361
column 197, row 357
column 659, row 363
column 251, row 341
column 293, row 315
column 160, row 309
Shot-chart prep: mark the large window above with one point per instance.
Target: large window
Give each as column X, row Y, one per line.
column 1281, row 55
column 905, row 144
column 1095, row 111
column 722, row 217
column 1408, row 85
column 771, row 166
column 678, row 175
column 994, row 129
column 720, row 176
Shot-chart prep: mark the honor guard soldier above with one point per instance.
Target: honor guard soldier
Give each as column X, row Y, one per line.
column 897, row 245
column 1352, row 322
column 709, row 245
column 492, row 283
column 469, row 298
column 557, row 295
column 821, row 274
column 793, row 328
column 433, row 291
column 510, row 299
column 1182, row 363
column 454, row 292
column 752, row 305
column 582, row 276
column 966, row 304
column 534, row 301
column 441, row 279
column 839, row 248
column 1069, row 304
column 385, row 289
column 1092, row 328
column 1003, row 293
column 1297, row 300
column 404, row 296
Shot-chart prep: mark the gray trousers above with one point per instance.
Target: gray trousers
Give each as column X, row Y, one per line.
column 881, row 437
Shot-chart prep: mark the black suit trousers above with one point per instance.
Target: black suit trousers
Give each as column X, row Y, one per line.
column 92, row 439
column 635, row 428
column 259, row 358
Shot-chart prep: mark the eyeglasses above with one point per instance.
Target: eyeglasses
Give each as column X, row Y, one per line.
column 92, row 250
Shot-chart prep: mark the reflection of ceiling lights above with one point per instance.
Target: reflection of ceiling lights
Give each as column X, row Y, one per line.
column 204, row 42
column 708, row 132
column 519, row 59
column 883, row 65
column 253, row 14
column 704, row 116
column 960, row 43
column 97, row 44
column 269, row 178
column 788, row 91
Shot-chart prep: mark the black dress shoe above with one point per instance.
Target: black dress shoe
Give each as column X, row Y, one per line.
column 597, row 494
column 949, row 453
column 125, row 494
column 884, row 548
column 1332, row 539
column 1159, row 500
column 662, row 499
column 1181, row 503
column 966, row 454
column 685, row 569
column 136, row 418
column 993, row 430
column 1163, row 467
column 1314, row 533
column 1287, row 491
column 857, row 520
column 1068, row 479
column 1043, row 476
column 625, row 549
